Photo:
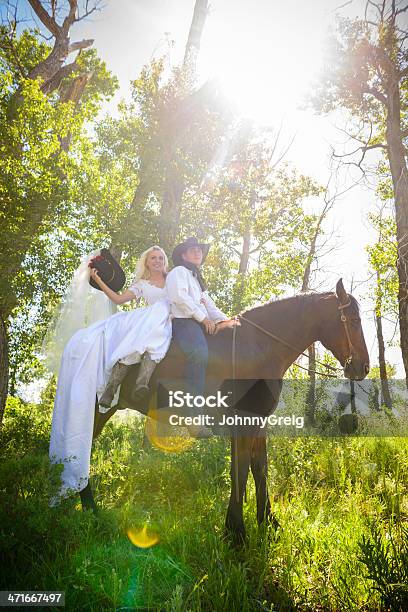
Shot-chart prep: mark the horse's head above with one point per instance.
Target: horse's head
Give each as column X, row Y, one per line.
column 342, row 334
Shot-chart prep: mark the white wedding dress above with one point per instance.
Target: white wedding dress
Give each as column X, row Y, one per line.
column 86, row 364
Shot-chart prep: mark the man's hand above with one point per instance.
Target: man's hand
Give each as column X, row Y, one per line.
column 228, row 323
column 209, row 326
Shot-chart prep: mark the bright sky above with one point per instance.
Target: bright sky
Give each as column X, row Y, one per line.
column 266, row 54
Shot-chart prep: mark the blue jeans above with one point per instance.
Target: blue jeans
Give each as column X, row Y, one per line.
column 190, row 338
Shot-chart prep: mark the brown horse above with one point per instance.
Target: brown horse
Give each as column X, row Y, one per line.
column 270, row 338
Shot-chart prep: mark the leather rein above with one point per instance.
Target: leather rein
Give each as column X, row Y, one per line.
column 343, row 318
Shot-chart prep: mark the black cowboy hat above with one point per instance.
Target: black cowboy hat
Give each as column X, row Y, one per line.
column 109, row 271
column 187, row 244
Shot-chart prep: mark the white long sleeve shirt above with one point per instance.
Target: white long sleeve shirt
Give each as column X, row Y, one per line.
column 187, row 300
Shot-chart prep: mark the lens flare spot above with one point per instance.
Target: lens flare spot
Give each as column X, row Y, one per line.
column 166, row 437
column 142, row 538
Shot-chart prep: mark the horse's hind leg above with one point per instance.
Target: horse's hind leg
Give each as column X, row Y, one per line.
column 240, row 459
column 100, row 419
column 87, row 499
column 259, row 467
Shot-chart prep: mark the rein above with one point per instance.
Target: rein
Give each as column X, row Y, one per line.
column 343, row 319
column 291, row 346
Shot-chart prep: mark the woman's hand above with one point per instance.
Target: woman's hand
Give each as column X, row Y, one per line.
column 93, row 272
column 224, row 324
column 116, row 298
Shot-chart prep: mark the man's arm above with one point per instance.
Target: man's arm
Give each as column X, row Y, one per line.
column 177, row 290
column 214, row 313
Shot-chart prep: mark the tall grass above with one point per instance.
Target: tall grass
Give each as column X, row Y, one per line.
column 341, row 503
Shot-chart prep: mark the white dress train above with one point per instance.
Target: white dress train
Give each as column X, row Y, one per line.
column 86, row 364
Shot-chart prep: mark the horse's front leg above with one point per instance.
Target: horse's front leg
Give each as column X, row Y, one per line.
column 259, row 467
column 240, row 460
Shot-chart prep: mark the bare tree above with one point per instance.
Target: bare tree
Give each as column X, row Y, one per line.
column 311, row 257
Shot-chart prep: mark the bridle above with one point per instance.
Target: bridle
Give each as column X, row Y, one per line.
column 343, row 318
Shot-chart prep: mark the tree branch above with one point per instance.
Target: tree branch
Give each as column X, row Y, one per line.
column 400, row 11
column 98, row 5
column 377, row 94
column 70, row 18
column 81, row 44
column 46, row 19
column 58, row 77
column 403, row 73
column 6, row 43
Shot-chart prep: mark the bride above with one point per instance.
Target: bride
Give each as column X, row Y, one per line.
column 96, row 359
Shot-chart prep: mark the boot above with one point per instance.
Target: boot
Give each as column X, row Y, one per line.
column 146, row 370
column 119, row 372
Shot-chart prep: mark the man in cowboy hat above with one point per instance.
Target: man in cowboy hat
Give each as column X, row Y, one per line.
column 193, row 312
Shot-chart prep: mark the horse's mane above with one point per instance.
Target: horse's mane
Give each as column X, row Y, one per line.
column 296, row 300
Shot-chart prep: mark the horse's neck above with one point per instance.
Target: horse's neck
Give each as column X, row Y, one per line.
column 294, row 321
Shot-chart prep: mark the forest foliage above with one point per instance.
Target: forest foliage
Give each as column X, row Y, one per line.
column 109, row 189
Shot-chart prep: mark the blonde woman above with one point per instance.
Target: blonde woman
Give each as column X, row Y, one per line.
column 149, row 333
column 96, row 359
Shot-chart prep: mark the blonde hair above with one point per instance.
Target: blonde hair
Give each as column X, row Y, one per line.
column 142, row 270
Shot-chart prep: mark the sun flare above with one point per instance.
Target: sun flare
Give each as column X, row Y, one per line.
column 265, row 67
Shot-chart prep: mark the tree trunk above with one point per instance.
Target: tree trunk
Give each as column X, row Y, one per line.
column 311, row 391
column 170, row 212
column 396, row 156
column 243, row 262
column 201, row 10
column 385, row 390
column 239, row 285
column 4, row 373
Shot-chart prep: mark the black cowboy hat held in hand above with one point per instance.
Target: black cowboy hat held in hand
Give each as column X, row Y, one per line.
column 109, row 271
column 187, row 244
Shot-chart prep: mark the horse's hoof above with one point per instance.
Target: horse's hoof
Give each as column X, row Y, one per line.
column 89, row 505
column 273, row 522
column 235, row 534
column 91, row 508
column 276, row 524
column 270, row 528
column 87, row 500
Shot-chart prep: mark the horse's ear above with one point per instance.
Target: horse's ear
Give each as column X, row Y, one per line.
column 341, row 292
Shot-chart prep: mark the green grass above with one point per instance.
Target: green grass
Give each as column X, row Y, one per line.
column 342, row 505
